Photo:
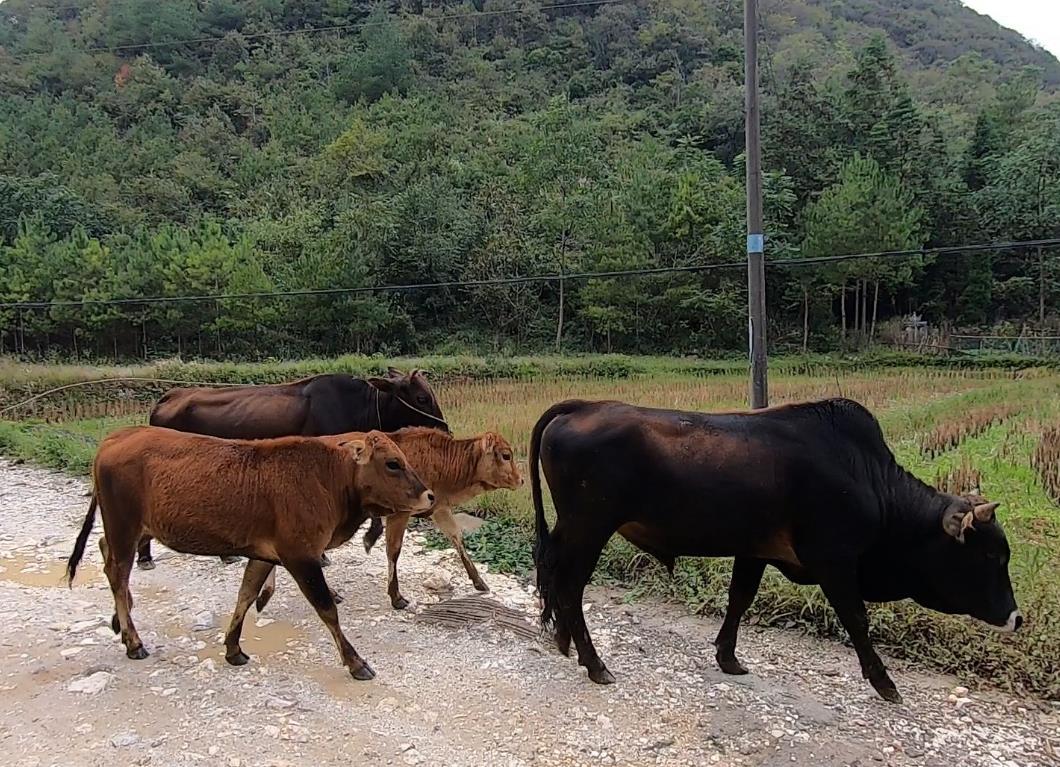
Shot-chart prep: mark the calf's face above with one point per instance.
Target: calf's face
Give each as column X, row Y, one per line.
column 384, row 478
column 968, row 573
column 496, row 467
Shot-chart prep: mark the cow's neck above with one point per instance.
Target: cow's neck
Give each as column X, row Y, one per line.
column 912, row 506
column 448, row 465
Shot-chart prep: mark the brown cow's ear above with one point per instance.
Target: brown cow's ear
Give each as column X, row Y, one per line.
column 359, row 449
column 956, row 520
column 382, row 384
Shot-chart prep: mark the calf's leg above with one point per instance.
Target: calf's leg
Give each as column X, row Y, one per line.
column 270, row 588
column 395, row 536
column 746, row 577
column 118, row 558
column 840, row 587
column 254, row 576
column 446, row 522
column 310, row 579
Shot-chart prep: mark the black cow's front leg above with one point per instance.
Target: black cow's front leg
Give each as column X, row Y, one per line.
column 746, row 577
column 840, row 587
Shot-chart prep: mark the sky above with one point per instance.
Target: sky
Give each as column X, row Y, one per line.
column 1037, row 20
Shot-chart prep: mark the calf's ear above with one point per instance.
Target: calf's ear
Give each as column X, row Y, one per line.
column 956, row 519
column 358, row 448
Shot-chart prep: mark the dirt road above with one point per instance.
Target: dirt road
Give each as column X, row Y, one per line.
column 475, row 696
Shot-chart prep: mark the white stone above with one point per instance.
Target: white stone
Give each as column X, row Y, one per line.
column 92, row 684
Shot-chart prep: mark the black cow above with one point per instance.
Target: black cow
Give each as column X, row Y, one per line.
column 333, row 403
column 811, row 489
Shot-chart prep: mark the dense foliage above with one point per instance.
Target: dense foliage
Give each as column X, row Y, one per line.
column 438, row 142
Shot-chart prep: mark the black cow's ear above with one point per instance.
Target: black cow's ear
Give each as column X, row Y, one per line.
column 382, row 384
column 956, row 519
column 392, row 372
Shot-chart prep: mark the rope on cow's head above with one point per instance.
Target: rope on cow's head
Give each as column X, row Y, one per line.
column 424, row 413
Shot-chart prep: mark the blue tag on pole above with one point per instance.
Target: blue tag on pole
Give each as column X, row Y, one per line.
column 756, row 243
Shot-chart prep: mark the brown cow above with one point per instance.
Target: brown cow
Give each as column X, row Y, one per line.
column 281, row 501
column 457, row 470
column 334, row 403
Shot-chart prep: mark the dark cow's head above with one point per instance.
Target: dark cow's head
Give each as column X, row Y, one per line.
column 413, row 401
column 968, row 570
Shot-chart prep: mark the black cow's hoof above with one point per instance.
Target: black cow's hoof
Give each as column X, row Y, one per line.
column 362, row 673
column 239, row 659
column 337, row 598
column 601, row 676
column 146, row 564
column 115, row 626
column 230, row 560
column 731, row 666
column 889, row 694
column 137, row 653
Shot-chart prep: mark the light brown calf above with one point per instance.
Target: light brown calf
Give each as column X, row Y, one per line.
column 279, row 501
column 457, row 470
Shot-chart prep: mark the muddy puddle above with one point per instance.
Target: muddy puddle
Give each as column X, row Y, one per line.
column 30, row 571
column 262, row 643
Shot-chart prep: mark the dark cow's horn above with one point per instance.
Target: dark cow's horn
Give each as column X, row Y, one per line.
column 984, row 512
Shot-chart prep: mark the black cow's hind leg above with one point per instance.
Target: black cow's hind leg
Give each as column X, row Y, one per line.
column 144, row 560
column 574, row 570
column 840, row 587
column 746, row 577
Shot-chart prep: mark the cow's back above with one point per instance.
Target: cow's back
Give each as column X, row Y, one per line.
column 241, row 412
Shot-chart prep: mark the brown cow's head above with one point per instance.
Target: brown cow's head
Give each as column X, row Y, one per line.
column 416, row 404
column 496, row 466
column 384, row 478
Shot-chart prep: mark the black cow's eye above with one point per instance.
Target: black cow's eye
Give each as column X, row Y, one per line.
column 506, row 456
column 423, row 399
column 393, row 465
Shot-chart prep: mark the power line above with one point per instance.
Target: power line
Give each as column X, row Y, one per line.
column 528, row 279
column 354, row 25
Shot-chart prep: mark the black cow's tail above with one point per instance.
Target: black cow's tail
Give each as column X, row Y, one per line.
column 545, row 551
column 82, row 539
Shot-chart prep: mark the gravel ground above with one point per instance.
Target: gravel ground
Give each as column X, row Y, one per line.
column 476, row 696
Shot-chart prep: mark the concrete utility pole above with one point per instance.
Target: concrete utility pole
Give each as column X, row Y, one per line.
column 756, row 277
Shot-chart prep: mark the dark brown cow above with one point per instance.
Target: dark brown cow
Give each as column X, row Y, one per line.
column 457, row 470
column 324, row 404
column 281, row 501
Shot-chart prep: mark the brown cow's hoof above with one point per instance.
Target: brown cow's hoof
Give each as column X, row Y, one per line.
column 731, row 665
column 480, row 585
column 400, row 603
column 146, row 564
column 324, row 560
column 115, row 626
column 336, row 597
column 363, row 673
column 137, row 653
column 239, row 659
column 230, row 560
column 601, row 676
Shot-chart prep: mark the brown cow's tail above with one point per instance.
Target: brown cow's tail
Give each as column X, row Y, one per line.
column 79, row 544
column 545, row 551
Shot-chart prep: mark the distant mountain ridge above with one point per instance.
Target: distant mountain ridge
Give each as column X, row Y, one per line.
column 936, row 32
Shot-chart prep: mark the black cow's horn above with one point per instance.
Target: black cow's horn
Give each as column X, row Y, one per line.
column 984, row 512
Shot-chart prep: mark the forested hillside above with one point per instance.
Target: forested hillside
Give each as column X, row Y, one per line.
column 225, row 146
